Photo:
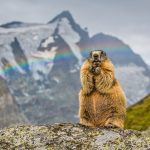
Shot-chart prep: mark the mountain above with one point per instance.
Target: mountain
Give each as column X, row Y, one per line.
column 9, row 111
column 41, row 63
column 138, row 115
column 17, row 24
column 76, row 27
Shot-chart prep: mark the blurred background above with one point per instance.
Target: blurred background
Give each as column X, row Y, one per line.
column 43, row 44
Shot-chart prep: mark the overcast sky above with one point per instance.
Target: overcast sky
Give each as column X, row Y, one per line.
column 129, row 20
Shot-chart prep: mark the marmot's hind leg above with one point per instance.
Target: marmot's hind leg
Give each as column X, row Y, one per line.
column 86, row 122
column 114, row 123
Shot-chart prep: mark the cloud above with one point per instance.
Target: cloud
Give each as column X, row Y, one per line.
column 128, row 19
column 140, row 44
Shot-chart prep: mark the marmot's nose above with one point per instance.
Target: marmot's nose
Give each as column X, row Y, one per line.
column 95, row 56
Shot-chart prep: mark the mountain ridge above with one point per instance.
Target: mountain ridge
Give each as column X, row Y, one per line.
column 17, row 24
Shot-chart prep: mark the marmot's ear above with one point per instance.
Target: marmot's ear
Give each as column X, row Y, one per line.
column 103, row 53
column 90, row 54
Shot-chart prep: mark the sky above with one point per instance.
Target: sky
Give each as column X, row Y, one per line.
column 128, row 20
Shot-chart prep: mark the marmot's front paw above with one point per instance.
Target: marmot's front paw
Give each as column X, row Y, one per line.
column 91, row 69
column 110, row 126
column 87, row 91
column 97, row 70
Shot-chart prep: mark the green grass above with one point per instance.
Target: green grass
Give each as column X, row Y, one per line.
column 138, row 115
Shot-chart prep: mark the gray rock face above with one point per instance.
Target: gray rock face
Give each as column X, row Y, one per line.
column 71, row 137
column 9, row 111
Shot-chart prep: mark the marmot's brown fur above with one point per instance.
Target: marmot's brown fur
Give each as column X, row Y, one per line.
column 102, row 100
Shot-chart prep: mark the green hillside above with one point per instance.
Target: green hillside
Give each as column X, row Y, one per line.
column 138, row 115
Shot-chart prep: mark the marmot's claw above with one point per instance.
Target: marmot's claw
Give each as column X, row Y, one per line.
column 110, row 126
column 91, row 69
column 97, row 70
column 94, row 70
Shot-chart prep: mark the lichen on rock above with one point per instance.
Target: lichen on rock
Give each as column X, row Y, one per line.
column 67, row 136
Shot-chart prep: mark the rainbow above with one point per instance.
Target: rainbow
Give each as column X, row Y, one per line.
column 61, row 57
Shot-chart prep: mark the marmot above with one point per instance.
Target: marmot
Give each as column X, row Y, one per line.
column 101, row 98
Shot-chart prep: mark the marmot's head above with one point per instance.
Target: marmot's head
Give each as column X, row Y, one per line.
column 97, row 56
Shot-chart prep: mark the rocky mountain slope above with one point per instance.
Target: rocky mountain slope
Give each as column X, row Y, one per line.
column 40, row 64
column 71, row 136
column 9, row 111
column 16, row 24
column 138, row 115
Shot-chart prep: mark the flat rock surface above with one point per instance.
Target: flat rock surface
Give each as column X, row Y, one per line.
column 67, row 136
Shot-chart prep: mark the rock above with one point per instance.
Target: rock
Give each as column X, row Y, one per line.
column 146, row 132
column 71, row 137
column 10, row 113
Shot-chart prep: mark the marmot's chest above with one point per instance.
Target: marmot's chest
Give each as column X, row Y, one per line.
column 99, row 103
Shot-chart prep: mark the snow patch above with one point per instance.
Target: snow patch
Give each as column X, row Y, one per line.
column 48, row 41
column 56, row 79
column 23, row 30
column 42, row 62
column 70, row 37
column 35, row 37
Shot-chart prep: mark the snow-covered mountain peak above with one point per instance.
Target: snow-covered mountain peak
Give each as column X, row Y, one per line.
column 65, row 29
column 75, row 26
column 64, row 14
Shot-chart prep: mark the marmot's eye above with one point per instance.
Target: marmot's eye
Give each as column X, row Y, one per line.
column 103, row 53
